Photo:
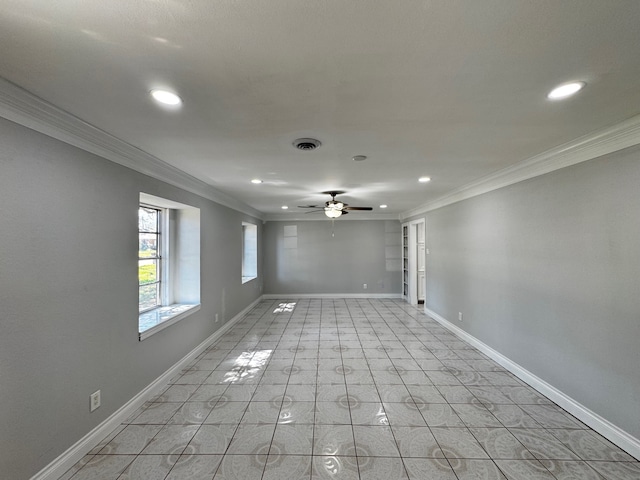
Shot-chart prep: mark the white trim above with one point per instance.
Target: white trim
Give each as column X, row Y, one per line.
column 412, row 297
column 164, row 202
column 277, row 296
column 622, row 135
column 168, row 322
column 72, row 455
column 615, row 434
column 24, row 108
column 298, row 217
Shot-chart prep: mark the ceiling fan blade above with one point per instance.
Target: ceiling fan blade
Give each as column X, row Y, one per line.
column 334, row 205
column 314, row 211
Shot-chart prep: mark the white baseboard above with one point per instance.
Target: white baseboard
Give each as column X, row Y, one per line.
column 615, row 434
column 274, row 296
column 72, row 455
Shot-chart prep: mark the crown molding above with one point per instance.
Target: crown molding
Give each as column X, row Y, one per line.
column 31, row 111
column 298, row 217
column 602, row 142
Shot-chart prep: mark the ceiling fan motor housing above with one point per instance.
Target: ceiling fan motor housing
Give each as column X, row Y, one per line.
column 336, row 205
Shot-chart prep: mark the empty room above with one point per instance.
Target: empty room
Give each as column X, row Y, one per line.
column 319, row 240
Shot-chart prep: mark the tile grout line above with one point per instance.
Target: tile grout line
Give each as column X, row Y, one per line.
column 400, row 331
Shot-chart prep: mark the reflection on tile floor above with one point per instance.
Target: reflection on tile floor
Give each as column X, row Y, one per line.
column 349, row 389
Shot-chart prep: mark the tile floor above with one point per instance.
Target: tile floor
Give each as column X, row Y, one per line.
column 349, row 389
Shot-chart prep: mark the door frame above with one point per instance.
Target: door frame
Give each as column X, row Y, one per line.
column 414, row 225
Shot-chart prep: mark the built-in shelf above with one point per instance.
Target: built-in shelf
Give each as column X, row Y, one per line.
column 405, row 261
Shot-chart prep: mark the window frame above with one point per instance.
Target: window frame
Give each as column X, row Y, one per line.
column 249, row 272
column 161, row 257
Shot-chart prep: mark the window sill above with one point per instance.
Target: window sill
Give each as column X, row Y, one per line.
column 248, row 279
column 160, row 318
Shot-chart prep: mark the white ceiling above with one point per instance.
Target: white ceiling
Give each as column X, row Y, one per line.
column 452, row 89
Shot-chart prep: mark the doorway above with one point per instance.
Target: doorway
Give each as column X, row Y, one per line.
column 415, row 261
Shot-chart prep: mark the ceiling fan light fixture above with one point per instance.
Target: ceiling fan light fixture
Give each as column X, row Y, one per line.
column 334, row 208
column 332, row 212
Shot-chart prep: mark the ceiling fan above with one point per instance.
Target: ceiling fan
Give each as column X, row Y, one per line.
column 334, row 208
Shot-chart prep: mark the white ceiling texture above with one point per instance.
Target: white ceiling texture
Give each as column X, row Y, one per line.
column 450, row 89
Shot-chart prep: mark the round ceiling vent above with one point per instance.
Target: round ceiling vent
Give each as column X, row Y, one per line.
column 307, row 144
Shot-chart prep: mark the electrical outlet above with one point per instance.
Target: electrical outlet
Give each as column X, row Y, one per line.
column 459, row 316
column 94, row 400
column 364, row 286
column 216, row 318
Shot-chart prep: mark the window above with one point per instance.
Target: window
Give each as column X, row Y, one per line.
column 149, row 258
column 168, row 263
column 249, row 252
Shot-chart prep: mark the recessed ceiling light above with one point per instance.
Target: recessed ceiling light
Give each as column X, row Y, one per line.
column 256, row 181
column 383, row 206
column 424, row 179
column 359, row 158
column 565, row 90
column 166, row 97
column 284, row 207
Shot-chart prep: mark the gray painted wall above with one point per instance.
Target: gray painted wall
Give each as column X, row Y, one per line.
column 312, row 261
column 68, row 293
column 547, row 272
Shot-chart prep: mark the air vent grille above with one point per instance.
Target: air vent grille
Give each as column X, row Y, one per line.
column 306, row 144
